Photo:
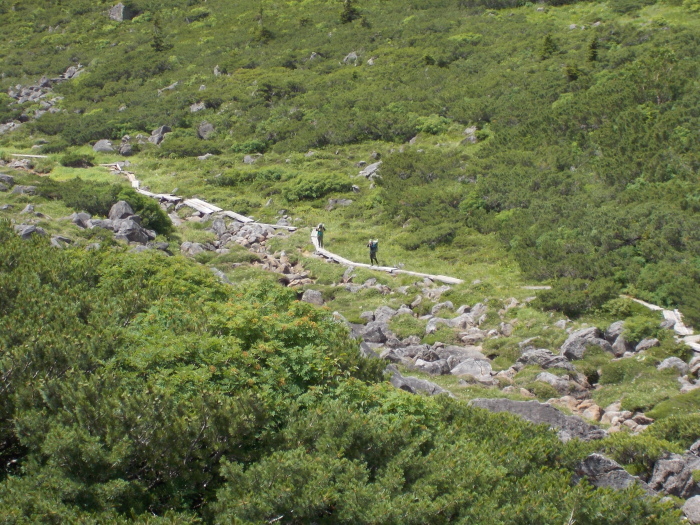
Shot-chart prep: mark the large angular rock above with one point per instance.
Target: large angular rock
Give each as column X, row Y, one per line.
column 205, row 130
column 120, row 210
column 674, row 362
column 460, row 353
column 674, row 475
column 568, row 427
column 413, row 384
column 376, row 332
column 80, row 219
column 103, row 146
column 313, row 297
column 157, row 135
column 646, row 344
column 477, row 368
column 691, row 509
column 621, row 345
column 26, row 231
column 192, row 248
column 131, row 231
column 544, row 358
column 435, row 368
column 384, row 314
column 24, row 190
column 559, row 384
column 575, row 346
column 605, row 473
column 371, row 171
column 614, row 331
column 120, row 12
column 8, row 180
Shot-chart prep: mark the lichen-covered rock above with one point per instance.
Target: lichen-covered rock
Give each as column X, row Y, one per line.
column 575, row 345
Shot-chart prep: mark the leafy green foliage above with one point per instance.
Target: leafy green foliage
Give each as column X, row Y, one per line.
column 77, row 160
column 311, row 186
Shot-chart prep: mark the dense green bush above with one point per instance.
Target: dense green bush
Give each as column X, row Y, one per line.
column 575, row 296
column 77, row 160
column 185, row 146
column 313, row 186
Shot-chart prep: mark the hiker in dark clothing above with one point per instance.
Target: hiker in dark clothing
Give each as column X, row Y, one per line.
column 373, row 246
column 319, row 234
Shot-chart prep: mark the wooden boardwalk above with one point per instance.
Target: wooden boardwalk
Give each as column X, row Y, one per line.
column 196, row 204
column 389, row 269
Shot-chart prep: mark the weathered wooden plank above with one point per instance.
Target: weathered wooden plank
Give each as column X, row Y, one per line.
column 237, row 216
column 168, row 197
column 202, row 205
column 30, row 156
column 146, row 193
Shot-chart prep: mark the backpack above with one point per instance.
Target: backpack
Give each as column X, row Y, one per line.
column 373, row 246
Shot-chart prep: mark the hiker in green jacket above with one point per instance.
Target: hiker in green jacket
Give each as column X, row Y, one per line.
column 373, row 246
column 319, row 234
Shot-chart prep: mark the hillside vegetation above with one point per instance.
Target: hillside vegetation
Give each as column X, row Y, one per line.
column 585, row 114
column 520, row 144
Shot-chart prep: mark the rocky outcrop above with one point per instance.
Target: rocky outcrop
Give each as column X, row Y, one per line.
column 673, row 474
column 414, row 385
column 603, row 472
column 157, row 135
column 103, row 146
column 575, row 345
column 27, row 231
column 568, row 427
column 313, row 297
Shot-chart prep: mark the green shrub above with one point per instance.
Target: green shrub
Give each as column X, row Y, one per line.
column 95, row 198
column 176, row 147
column 313, row 186
column 641, row 327
column 542, row 391
column 680, row 405
column 576, row 296
column 431, row 237
column 682, row 429
column 55, row 146
column 250, row 146
column 77, row 160
column 152, row 215
column 637, row 453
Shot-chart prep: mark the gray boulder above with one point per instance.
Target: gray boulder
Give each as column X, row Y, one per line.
column 460, row 353
column 350, row 57
column 441, row 306
column 435, row 368
column 4, row 187
column 205, row 130
column 29, row 208
column 674, row 362
column 575, row 346
column 192, row 248
column 674, row 475
column 332, row 203
column 120, row 12
column 24, row 190
column 126, row 149
column 371, row 171
column 621, row 345
column 384, row 314
column 691, row 509
column 603, row 472
column 477, row 368
column 26, row 231
column 614, row 331
column 560, row 384
column 120, row 210
column 130, row 230
column 218, row 226
column 646, row 344
column 376, row 332
column 59, row 241
column 8, row 180
column 313, row 297
column 197, row 106
column 250, row 159
column 103, row 146
column 157, row 135
column 80, row 219
column 568, row 427
column 413, row 384
column 367, row 352
column 544, row 358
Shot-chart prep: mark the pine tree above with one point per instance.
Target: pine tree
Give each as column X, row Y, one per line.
column 593, row 50
column 349, row 13
column 549, row 47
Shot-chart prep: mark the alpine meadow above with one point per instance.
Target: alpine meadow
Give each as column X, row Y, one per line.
column 349, row 261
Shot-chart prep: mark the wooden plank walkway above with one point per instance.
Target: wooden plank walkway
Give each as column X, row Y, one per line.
column 389, row 269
